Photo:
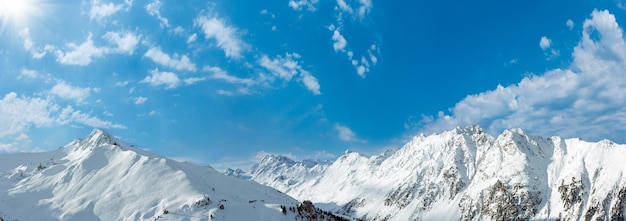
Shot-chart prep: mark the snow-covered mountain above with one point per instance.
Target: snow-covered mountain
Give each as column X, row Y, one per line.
column 465, row 174
column 101, row 178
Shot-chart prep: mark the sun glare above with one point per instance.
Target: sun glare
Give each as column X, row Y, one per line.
column 15, row 10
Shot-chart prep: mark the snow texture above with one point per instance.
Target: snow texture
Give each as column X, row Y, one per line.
column 101, row 178
column 464, row 174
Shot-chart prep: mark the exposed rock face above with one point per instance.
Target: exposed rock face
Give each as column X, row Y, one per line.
column 467, row 174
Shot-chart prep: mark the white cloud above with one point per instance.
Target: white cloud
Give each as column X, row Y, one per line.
column 545, row 42
column 153, row 9
column 122, row 83
column 17, row 114
column 66, row 91
column 344, row 6
column 192, row 38
column 193, row 80
column 363, row 7
column 346, row 134
column 80, row 54
column 287, row 67
column 310, row 82
column 225, row 36
column 570, row 24
column 302, row 4
column 239, row 91
column 100, row 11
column 179, row 30
column 168, row 79
column 282, row 67
column 339, row 42
column 20, row 143
column 28, row 73
column 219, row 74
column 69, row 115
column 361, row 66
column 587, row 100
column 29, row 45
column 323, row 155
column 140, row 100
column 177, row 62
column 125, row 42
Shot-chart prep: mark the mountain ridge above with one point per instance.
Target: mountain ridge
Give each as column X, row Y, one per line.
column 99, row 177
column 468, row 174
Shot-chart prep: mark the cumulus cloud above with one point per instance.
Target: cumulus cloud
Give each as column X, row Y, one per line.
column 225, row 36
column 157, row 78
column 346, row 134
column 126, row 42
column 19, row 143
column 153, row 8
column 545, row 42
column 177, row 62
column 586, row 100
column 70, row 92
column 18, row 113
column 80, row 54
column 339, row 42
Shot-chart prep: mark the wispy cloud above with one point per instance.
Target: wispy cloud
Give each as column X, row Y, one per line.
column 154, row 9
column 587, row 100
column 303, row 4
column 225, row 36
column 140, row 100
column 177, row 62
column 84, row 53
column 100, row 11
column 18, row 113
column 346, row 134
column 570, row 24
column 287, row 67
column 219, row 74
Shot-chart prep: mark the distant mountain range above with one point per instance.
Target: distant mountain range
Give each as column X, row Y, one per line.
column 101, row 178
column 462, row 174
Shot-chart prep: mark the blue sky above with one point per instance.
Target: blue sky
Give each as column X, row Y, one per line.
column 226, row 82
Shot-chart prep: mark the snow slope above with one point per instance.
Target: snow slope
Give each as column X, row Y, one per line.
column 101, row 178
column 467, row 174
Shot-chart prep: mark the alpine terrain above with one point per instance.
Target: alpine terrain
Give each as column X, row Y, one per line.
column 463, row 174
column 101, row 178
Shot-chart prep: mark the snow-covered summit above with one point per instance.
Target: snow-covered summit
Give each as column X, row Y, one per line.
column 101, row 178
column 468, row 174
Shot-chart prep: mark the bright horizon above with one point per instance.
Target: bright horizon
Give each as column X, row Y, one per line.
column 223, row 83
